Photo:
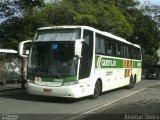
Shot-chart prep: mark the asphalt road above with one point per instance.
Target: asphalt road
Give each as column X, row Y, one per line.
column 136, row 103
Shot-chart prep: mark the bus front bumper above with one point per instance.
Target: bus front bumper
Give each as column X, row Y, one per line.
column 73, row 91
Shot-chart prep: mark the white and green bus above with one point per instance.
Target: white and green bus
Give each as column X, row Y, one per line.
column 78, row 61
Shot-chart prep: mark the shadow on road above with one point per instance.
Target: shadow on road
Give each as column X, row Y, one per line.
column 36, row 98
column 49, row 99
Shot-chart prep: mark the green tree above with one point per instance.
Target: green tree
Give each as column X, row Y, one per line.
column 99, row 14
column 147, row 32
column 20, row 27
column 120, row 17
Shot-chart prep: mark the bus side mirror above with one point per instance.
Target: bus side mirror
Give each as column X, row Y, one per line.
column 78, row 47
column 24, row 48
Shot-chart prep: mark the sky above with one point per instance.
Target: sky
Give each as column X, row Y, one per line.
column 154, row 2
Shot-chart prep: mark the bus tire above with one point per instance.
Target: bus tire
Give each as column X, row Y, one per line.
column 97, row 90
column 131, row 82
column 135, row 79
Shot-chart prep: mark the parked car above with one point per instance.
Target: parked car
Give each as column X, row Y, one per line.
column 152, row 73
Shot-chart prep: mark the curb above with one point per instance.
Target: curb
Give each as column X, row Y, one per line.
column 6, row 93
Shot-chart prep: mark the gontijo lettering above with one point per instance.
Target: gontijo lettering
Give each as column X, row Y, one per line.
column 104, row 62
column 108, row 63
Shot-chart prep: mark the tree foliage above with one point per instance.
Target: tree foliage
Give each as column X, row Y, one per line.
column 99, row 14
column 119, row 17
column 149, row 32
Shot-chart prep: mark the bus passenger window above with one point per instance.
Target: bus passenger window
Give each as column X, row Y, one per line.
column 134, row 54
column 98, row 50
column 126, row 53
column 109, row 49
column 98, row 45
column 118, row 49
column 113, row 48
column 106, row 44
column 122, row 51
column 130, row 52
column 139, row 54
column 102, row 46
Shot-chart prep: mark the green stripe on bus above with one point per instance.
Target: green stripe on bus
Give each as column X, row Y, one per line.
column 106, row 62
column 137, row 64
column 51, row 79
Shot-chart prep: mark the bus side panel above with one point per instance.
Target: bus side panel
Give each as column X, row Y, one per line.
column 136, row 70
column 112, row 78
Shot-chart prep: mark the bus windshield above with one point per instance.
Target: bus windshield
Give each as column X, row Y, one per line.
column 58, row 35
column 54, row 59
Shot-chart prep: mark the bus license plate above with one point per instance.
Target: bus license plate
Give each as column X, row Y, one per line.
column 47, row 90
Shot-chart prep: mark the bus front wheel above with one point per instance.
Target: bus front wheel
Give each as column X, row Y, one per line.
column 97, row 90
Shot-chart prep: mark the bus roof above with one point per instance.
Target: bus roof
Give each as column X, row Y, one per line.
column 90, row 28
column 7, row 51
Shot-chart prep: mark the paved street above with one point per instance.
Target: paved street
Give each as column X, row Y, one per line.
column 143, row 99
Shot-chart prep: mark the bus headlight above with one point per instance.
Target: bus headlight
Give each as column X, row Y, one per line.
column 30, row 81
column 70, row 83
